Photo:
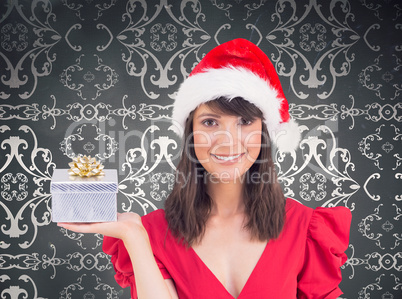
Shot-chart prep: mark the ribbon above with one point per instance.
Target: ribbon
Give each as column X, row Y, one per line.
column 85, row 166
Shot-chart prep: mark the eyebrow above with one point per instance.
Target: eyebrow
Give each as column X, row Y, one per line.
column 209, row 114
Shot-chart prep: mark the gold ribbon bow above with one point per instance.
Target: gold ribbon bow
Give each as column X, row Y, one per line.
column 85, row 166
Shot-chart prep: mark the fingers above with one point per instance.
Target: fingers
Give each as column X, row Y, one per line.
column 79, row 227
column 118, row 229
column 103, row 228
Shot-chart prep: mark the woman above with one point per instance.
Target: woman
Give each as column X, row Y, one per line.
column 227, row 231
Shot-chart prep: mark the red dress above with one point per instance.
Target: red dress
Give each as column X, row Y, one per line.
column 304, row 262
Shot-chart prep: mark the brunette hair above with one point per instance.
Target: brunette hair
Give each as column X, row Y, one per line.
column 188, row 206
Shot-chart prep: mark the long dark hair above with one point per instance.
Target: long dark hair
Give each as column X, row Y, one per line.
column 188, row 206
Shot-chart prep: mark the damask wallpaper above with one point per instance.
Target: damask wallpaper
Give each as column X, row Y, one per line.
column 98, row 77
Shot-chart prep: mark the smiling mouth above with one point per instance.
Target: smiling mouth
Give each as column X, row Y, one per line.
column 227, row 158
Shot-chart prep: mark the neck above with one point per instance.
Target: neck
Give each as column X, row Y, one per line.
column 227, row 198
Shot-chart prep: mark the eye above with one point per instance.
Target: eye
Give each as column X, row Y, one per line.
column 244, row 121
column 209, row 122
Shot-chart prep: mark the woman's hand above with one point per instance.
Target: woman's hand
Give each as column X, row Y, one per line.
column 128, row 227
column 127, row 224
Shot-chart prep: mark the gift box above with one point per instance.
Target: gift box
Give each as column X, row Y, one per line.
column 84, row 199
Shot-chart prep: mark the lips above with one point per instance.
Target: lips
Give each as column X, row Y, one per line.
column 228, row 158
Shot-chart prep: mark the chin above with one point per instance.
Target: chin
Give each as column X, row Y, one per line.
column 226, row 176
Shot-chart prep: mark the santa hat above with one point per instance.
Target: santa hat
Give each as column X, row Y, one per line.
column 238, row 68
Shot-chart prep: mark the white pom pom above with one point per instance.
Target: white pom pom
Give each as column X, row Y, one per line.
column 286, row 136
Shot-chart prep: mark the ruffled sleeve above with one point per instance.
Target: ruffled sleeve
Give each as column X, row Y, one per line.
column 120, row 260
column 122, row 264
column 327, row 240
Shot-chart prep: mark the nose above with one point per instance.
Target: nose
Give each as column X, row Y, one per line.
column 228, row 140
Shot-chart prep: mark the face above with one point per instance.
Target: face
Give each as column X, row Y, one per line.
column 225, row 145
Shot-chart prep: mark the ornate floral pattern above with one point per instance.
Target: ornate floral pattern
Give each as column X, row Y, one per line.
column 34, row 205
column 78, row 112
column 91, row 282
column 14, row 37
column 140, row 164
column 157, row 192
column 14, row 186
column 38, row 57
column 14, row 291
column 75, row 261
column 310, row 75
column 307, row 192
column 82, row 8
column 158, row 43
column 332, row 164
column 72, row 145
column 367, row 80
column 67, row 78
column 137, row 50
column 307, row 42
column 375, row 153
column 374, row 112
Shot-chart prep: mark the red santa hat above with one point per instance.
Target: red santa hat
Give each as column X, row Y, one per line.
column 239, row 68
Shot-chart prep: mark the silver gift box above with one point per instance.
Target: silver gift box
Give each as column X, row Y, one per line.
column 80, row 199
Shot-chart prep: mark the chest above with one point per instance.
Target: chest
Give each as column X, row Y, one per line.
column 231, row 256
